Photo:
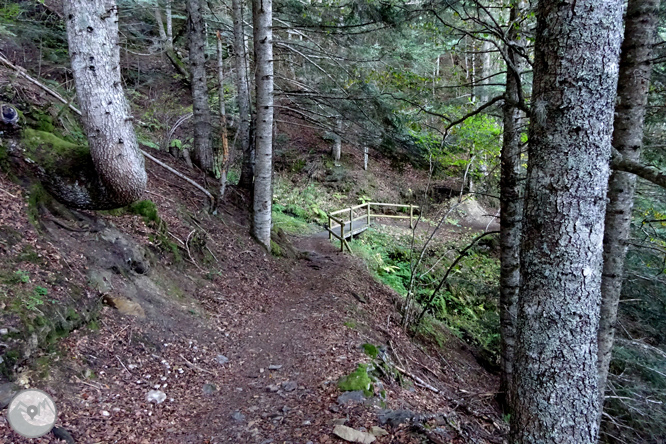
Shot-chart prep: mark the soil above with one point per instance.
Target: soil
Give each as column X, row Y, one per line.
column 290, row 328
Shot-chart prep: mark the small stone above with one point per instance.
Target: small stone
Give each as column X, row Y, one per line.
column 209, row 389
column 63, row 435
column 4, row 331
column 378, row 431
column 274, row 367
column 339, row 421
column 238, row 416
column 105, row 413
column 289, row 386
column 306, row 423
column 352, row 435
column 156, row 396
column 355, row 397
column 273, row 388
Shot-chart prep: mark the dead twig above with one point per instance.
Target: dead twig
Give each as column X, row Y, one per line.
column 8, row 193
column 121, row 363
column 196, row 367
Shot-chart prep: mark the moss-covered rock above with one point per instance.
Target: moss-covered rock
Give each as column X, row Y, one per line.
column 359, row 380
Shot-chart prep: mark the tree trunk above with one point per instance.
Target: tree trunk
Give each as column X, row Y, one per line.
column 92, row 32
column 160, row 25
column 243, row 96
column 337, row 141
column 486, row 47
column 365, row 158
column 555, row 372
column 511, row 212
column 635, row 69
column 223, row 162
column 203, row 151
column 262, row 19
column 169, row 26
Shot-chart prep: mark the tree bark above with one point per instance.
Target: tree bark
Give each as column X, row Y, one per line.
column 223, row 157
column 160, row 25
column 262, row 16
column 92, row 32
column 575, row 81
column 632, row 94
column 511, row 212
column 243, row 97
column 337, row 141
column 169, row 26
column 203, row 151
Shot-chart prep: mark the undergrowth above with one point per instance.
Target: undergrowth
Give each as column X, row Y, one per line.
column 468, row 304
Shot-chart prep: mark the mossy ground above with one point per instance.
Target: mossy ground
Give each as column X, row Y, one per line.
column 358, row 380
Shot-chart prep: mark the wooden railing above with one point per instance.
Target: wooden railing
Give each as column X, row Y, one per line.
column 350, row 223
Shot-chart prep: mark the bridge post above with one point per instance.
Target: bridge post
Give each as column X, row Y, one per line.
column 368, row 223
column 351, row 224
column 342, row 236
column 330, row 228
column 411, row 216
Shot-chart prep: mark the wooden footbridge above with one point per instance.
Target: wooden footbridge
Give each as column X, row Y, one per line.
column 348, row 222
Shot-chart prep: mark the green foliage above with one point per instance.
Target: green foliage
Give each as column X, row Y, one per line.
column 468, row 305
column 22, row 276
column 358, row 380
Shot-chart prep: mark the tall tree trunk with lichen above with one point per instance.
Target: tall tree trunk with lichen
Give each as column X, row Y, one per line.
column 169, row 26
column 203, row 151
column 262, row 20
column 243, row 96
column 92, row 33
column 632, row 94
column 511, row 210
column 555, row 372
column 222, row 161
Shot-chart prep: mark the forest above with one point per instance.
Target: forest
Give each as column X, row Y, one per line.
column 328, row 221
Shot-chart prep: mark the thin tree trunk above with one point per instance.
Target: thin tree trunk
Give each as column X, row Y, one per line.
column 169, row 25
column 92, row 32
column 486, row 66
column 365, row 157
column 160, row 25
column 203, row 152
column 262, row 16
column 555, row 372
column 511, row 213
column 223, row 162
column 243, row 96
column 337, row 140
column 635, row 69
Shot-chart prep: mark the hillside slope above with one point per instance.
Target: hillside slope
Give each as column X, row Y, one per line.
column 245, row 346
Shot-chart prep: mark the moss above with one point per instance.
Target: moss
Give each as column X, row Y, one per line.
column 370, row 350
column 38, row 197
column 93, row 325
column 49, row 151
column 4, row 158
column 358, row 380
column 275, row 249
column 147, row 210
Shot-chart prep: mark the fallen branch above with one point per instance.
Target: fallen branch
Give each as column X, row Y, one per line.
column 419, row 382
column 21, row 71
column 195, row 367
column 182, row 176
